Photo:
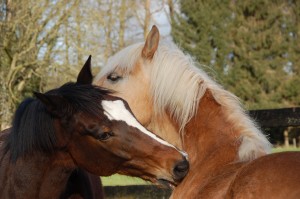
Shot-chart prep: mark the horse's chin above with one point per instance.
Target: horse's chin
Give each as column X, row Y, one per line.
column 159, row 181
column 166, row 183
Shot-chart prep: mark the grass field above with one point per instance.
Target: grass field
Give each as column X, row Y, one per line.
column 282, row 149
column 120, row 180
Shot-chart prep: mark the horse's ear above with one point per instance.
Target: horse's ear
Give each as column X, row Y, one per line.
column 151, row 43
column 54, row 104
column 85, row 75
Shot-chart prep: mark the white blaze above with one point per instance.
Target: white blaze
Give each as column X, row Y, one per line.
column 116, row 110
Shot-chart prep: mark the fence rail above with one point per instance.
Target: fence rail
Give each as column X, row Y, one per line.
column 136, row 192
column 283, row 117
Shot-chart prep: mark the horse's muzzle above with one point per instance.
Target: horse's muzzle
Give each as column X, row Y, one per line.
column 180, row 170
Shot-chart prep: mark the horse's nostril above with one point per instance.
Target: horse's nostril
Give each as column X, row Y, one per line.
column 180, row 170
column 182, row 167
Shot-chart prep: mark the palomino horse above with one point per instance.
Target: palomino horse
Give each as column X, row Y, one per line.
column 80, row 125
column 227, row 152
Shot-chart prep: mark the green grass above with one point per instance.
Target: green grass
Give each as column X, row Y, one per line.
column 283, row 149
column 121, row 180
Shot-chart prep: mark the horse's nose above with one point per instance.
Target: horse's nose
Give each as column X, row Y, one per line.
column 180, row 170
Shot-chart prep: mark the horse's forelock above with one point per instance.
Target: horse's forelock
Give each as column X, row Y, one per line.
column 124, row 60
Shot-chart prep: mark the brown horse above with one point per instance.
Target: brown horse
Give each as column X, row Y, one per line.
column 80, row 185
column 227, row 151
column 80, row 125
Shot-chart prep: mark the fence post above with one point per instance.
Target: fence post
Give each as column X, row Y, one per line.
column 286, row 138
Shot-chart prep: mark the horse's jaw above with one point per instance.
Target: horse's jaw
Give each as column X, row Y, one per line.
column 166, row 128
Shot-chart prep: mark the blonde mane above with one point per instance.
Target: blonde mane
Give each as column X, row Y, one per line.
column 180, row 92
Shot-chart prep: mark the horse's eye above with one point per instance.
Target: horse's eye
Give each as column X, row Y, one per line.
column 104, row 136
column 113, row 77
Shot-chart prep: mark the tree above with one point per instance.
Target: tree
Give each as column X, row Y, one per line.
column 43, row 43
column 27, row 28
column 254, row 51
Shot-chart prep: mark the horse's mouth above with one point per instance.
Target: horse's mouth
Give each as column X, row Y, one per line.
column 166, row 183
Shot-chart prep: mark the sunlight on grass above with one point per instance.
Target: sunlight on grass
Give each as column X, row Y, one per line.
column 283, row 149
column 121, row 180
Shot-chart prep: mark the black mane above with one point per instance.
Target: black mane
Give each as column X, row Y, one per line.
column 32, row 126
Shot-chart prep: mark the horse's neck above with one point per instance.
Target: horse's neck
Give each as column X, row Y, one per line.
column 211, row 143
column 37, row 176
column 210, row 140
